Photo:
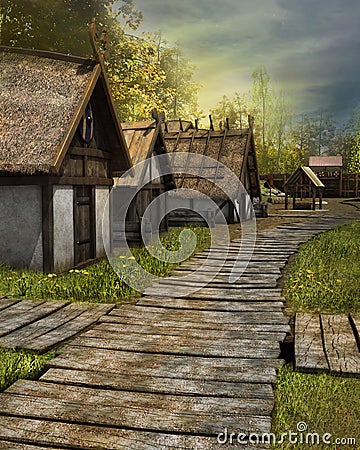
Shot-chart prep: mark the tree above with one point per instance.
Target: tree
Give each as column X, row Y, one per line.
column 144, row 71
column 234, row 110
column 261, row 100
column 353, row 162
column 179, row 79
column 63, row 27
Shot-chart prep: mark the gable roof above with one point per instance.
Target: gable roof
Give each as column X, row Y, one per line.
column 140, row 138
column 325, row 161
column 234, row 148
column 42, row 98
column 144, row 140
column 309, row 174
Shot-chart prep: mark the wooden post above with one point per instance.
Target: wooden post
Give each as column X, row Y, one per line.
column 294, row 199
column 286, row 199
column 313, row 198
column 341, row 181
column 320, row 198
column 211, row 123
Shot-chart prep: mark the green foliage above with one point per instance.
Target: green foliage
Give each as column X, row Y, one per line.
column 146, row 73
column 353, row 155
column 327, row 404
column 326, row 274
column 63, row 27
column 96, row 283
column 20, row 364
column 233, row 109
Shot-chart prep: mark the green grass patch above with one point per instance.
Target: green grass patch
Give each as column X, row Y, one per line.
column 96, row 283
column 20, row 364
column 327, row 404
column 326, row 274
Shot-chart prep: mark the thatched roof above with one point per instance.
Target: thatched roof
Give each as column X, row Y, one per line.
column 40, row 94
column 233, row 148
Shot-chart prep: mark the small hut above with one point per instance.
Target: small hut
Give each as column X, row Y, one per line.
column 303, row 184
column 144, row 140
column 329, row 169
column 60, row 146
column 234, row 148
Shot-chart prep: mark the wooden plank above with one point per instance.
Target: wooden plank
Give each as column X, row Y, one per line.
column 179, row 345
column 59, row 326
column 27, row 317
column 18, row 308
column 355, row 323
column 86, row 437
column 197, row 325
column 309, row 352
column 253, row 257
column 69, row 329
column 208, row 305
column 42, row 326
column 340, row 344
column 153, row 313
column 86, row 412
column 196, row 283
column 214, row 293
column 238, row 370
column 260, row 332
column 227, row 269
column 10, row 445
column 6, row 302
column 264, row 265
column 153, row 402
column 161, row 385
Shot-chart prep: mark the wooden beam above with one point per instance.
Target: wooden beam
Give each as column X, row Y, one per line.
column 92, row 152
column 69, row 134
column 48, row 228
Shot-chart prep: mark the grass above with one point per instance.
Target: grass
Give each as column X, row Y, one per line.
column 98, row 282
column 327, row 404
column 15, row 364
column 325, row 277
column 326, row 274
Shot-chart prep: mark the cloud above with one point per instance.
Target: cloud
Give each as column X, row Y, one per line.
column 309, row 48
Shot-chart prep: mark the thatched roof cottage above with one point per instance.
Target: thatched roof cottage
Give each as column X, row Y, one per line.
column 144, row 140
column 60, row 145
column 234, row 148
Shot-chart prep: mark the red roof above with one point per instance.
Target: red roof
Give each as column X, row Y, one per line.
column 325, row 161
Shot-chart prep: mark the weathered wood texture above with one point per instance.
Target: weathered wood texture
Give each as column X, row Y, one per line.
column 327, row 342
column 167, row 372
column 40, row 326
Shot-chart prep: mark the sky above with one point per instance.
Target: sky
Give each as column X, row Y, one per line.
column 310, row 48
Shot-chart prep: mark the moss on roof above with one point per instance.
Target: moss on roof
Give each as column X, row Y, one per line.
column 38, row 98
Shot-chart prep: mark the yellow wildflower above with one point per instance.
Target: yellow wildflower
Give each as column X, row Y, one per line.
column 338, row 280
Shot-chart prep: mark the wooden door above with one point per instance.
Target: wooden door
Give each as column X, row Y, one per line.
column 84, row 223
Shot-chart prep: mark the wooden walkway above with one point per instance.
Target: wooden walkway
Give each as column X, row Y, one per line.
column 41, row 325
column 327, row 342
column 168, row 372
